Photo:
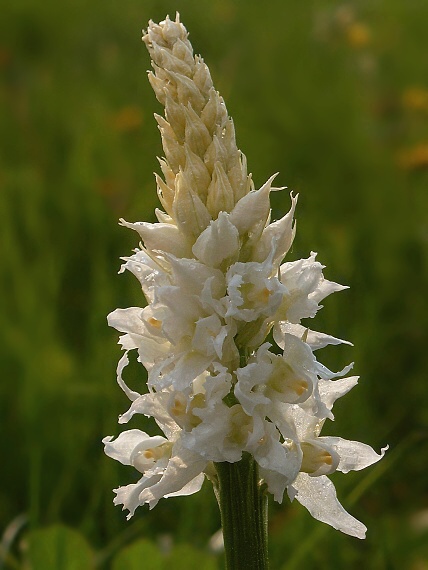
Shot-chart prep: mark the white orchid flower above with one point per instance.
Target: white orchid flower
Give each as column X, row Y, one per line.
column 163, row 465
column 269, row 378
column 324, row 455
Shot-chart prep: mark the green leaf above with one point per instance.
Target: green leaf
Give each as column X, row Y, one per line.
column 58, row 547
column 140, row 554
column 184, row 557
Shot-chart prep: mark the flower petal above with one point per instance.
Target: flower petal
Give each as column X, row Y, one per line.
column 123, row 362
column 128, row 495
column 252, row 208
column 318, row 495
column 182, row 468
column 153, row 405
column 192, row 487
column 314, row 339
column 278, row 236
column 354, row 455
column 148, row 272
column 330, row 391
column 163, row 237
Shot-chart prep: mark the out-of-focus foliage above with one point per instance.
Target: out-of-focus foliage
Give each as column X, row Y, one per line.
column 59, row 547
column 332, row 94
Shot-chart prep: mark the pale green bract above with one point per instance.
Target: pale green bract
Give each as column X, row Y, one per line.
column 211, row 273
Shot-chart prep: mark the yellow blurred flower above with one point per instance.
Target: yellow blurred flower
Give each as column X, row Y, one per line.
column 414, row 158
column 415, row 98
column 358, row 35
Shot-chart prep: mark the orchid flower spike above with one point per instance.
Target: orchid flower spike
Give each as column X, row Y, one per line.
column 215, row 283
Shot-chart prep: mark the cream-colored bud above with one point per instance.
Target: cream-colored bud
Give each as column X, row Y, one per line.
column 237, row 175
column 197, row 173
column 189, row 211
column 183, row 50
column 172, row 31
column 216, row 152
column 197, row 135
column 168, row 86
column 202, row 76
column 164, row 58
column 220, row 193
column 158, row 87
column 175, row 115
column 187, row 92
column 229, row 140
column 165, row 127
column 167, row 172
column 214, row 114
column 174, row 152
column 165, row 194
column 162, row 74
column 198, row 138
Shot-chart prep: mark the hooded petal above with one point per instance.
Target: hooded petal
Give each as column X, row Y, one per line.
column 122, row 447
column 218, row 242
column 162, row 237
column 191, row 275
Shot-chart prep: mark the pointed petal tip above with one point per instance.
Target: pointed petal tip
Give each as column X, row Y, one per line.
column 359, row 532
column 272, row 178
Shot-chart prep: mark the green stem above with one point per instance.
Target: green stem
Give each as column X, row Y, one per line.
column 243, row 508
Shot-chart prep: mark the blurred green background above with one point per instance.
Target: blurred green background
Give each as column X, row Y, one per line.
column 334, row 96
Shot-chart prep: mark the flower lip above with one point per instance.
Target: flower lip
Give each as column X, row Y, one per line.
column 147, row 453
column 318, row 459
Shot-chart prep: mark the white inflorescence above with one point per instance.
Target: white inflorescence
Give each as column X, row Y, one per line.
column 211, row 272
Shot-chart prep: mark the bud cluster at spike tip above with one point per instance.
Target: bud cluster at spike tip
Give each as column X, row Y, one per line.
column 213, row 276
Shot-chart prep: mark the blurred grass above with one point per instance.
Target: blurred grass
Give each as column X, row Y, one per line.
column 334, row 96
